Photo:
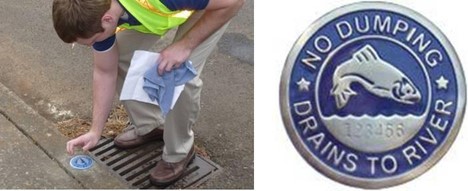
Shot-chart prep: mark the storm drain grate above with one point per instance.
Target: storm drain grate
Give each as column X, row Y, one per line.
column 133, row 165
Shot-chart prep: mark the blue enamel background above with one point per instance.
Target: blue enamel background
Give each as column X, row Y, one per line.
column 444, row 68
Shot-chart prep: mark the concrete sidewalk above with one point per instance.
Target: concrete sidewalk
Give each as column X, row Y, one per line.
column 24, row 165
column 32, row 154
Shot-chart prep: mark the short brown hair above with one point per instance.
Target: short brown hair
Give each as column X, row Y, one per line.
column 78, row 18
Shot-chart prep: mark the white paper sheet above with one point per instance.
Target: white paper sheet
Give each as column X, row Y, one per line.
column 133, row 84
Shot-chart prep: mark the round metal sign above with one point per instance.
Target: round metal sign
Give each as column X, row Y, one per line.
column 372, row 94
column 81, row 162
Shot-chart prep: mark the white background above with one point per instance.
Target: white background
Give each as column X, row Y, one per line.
column 278, row 166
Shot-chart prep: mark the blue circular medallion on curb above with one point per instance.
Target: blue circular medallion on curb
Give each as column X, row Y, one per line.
column 372, row 94
column 81, row 162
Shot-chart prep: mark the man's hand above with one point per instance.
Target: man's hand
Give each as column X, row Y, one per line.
column 87, row 141
column 216, row 14
column 173, row 56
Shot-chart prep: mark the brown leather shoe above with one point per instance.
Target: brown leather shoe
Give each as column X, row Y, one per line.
column 165, row 173
column 130, row 139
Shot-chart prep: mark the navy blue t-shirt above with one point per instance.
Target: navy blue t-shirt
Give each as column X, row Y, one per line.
column 172, row 5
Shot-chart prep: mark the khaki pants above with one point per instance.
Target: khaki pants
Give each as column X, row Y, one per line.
column 178, row 134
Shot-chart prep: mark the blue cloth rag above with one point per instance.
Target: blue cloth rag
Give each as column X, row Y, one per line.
column 161, row 88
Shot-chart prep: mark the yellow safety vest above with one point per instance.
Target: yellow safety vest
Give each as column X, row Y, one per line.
column 154, row 16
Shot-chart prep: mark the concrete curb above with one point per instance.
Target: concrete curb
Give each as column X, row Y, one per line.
column 49, row 140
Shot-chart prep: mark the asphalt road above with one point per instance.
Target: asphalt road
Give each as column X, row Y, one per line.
column 55, row 80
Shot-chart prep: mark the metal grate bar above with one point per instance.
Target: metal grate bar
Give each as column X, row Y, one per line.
column 100, row 144
column 102, row 151
column 143, row 170
column 114, row 154
column 118, row 157
column 129, row 159
column 132, row 166
column 141, row 181
column 137, row 163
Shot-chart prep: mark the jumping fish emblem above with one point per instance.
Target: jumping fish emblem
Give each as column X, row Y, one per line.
column 375, row 75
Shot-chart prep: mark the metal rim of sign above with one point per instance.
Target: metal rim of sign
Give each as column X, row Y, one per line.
column 87, row 158
column 286, row 107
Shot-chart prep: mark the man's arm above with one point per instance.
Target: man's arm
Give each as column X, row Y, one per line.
column 104, row 83
column 217, row 13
